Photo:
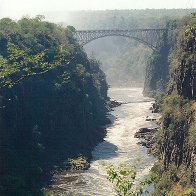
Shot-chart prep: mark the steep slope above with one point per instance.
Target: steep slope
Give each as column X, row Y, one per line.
column 157, row 69
column 53, row 103
column 175, row 172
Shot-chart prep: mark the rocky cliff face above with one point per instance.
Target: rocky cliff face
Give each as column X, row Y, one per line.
column 157, row 70
column 177, row 137
column 177, row 145
column 3, row 139
column 184, row 82
column 177, row 120
column 185, row 74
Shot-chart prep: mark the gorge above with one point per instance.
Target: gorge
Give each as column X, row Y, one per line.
column 54, row 105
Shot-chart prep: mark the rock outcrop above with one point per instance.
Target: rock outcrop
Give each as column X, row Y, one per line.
column 157, row 70
column 177, row 136
column 147, row 136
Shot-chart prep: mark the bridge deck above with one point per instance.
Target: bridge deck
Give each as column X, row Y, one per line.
column 149, row 37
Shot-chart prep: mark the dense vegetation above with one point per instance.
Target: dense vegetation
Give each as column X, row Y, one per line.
column 123, row 60
column 53, row 98
column 175, row 172
column 52, row 102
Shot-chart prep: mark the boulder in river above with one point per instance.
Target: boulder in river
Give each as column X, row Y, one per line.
column 155, row 108
column 80, row 163
column 114, row 103
column 149, row 118
column 147, row 138
column 144, row 132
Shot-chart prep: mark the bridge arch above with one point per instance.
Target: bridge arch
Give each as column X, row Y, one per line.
column 135, row 38
column 149, row 37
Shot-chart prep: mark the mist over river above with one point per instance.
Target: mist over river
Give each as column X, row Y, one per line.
column 119, row 147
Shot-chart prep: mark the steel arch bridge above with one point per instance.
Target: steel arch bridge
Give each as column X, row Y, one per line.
column 149, row 37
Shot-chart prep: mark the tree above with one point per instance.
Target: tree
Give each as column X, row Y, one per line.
column 124, row 180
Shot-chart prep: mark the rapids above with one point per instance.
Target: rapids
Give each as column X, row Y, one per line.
column 118, row 147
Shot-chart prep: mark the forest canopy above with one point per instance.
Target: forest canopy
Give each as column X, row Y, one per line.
column 52, row 99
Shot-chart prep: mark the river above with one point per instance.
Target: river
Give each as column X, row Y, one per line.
column 119, row 147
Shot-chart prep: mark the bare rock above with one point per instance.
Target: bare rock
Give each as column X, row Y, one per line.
column 147, row 138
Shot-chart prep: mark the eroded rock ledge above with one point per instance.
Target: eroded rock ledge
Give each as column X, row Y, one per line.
column 148, row 139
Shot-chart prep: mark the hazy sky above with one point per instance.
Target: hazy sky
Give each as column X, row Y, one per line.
column 18, row 8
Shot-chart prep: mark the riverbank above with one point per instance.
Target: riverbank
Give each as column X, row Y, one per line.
column 119, row 147
column 147, row 135
column 53, row 103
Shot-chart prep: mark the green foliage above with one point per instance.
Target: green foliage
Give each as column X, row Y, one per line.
column 177, row 114
column 174, row 171
column 173, row 181
column 176, row 111
column 79, row 163
column 124, row 180
column 54, row 102
column 183, row 61
column 192, row 133
column 177, row 136
column 176, row 140
column 189, row 34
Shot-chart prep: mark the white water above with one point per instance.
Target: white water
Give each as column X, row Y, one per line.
column 119, row 147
